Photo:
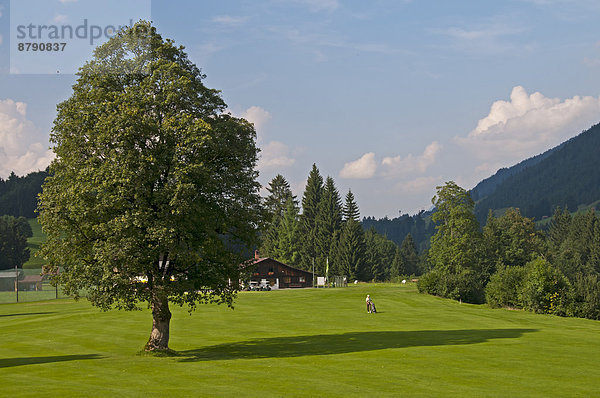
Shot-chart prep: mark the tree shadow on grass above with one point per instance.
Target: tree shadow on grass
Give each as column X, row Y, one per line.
column 328, row 344
column 11, row 362
column 27, row 313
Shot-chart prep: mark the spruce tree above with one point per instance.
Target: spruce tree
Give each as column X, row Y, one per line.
column 275, row 206
column 279, row 193
column 350, row 210
column 351, row 248
column 288, row 245
column 308, row 224
column 328, row 221
column 410, row 257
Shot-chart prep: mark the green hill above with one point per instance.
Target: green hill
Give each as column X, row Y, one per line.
column 565, row 176
column 312, row 342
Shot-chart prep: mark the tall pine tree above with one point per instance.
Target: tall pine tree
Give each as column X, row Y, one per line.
column 308, row 219
column 328, row 221
column 351, row 248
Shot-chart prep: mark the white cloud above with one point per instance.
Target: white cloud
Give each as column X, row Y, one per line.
column 420, row 185
column 362, row 168
column 275, row 155
column 411, row 164
column 527, row 125
column 257, row 116
column 229, row 20
column 60, row 18
column 20, row 150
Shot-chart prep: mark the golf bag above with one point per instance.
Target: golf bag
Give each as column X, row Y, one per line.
column 373, row 309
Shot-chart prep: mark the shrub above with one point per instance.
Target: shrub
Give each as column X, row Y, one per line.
column 465, row 286
column 428, row 283
column 504, row 288
column 545, row 289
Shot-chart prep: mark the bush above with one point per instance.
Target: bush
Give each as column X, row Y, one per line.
column 428, row 283
column 545, row 289
column 465, row 286
column 504, row 288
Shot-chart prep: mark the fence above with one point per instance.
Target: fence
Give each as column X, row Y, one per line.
column 26, row 285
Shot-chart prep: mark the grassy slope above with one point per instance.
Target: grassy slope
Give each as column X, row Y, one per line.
column 301, row 343
column 34, row 244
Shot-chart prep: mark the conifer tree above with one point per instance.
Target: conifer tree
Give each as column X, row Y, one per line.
column 350, row 210
column 275, row 206
column 288, row 245
column 308, row 224
column 279, row 193
column 351, row 248
column 410, row 257
column 328, row 221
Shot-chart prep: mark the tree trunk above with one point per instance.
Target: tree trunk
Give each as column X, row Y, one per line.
column 161, row 317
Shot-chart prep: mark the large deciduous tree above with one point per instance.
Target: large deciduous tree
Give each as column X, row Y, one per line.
column 152, row 196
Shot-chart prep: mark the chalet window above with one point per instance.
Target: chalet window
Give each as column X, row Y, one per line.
column 287, row 279
column 302, row 279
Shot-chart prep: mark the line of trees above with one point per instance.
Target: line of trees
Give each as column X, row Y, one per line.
column 509, row 263
column 328, row 235
column 14, row 232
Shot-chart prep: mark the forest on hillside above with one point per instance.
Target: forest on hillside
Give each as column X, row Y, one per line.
column 567, row 177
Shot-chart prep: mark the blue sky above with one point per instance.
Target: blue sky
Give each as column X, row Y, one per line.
column 391, row 98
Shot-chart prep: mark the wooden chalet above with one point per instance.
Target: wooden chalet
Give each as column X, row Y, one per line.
column 278, row 275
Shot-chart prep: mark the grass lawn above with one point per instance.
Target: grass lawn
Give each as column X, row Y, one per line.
column 34, row 243
column 313, row 342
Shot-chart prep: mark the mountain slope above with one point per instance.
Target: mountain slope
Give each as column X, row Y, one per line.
column 566, row 176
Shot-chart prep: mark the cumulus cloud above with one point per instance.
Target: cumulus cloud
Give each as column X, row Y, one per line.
column 419, row 185
column 528, row 124
column 275, row 155
column 257, row 116
column 20, row 149
column 398, row 166
column 410, row 164
column 362, row 168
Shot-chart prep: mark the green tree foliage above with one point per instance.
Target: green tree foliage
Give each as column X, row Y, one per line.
column 510, row 240
column 573, row 243
column 14, row 232
column 455, row 252
column 379, row 255
column 18, row 195
column 308, row 220
column 279, row 194
column 545, row 289
column 350, row 210
column 328, row 221
column 152, row 181
column 410, row 257
column 287, row 246
column 275, row 205
column 505, row 286
column 351, row 251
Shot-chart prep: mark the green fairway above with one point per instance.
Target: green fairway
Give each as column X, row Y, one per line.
column 313, row 342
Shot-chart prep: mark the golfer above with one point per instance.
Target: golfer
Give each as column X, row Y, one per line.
column 368, row 300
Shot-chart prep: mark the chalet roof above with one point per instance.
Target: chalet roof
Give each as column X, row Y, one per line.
column 260, row 260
